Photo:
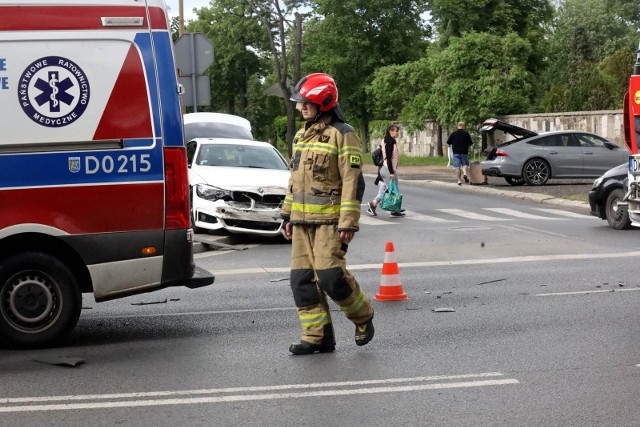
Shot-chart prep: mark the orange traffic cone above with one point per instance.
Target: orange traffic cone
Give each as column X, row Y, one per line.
column 390, row 286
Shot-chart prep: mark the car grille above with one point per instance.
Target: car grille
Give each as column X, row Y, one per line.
column 244, row 198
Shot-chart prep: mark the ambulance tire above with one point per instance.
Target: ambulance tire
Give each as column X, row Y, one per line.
column 40, row 300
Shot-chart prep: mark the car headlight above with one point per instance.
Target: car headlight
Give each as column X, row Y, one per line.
column 597, row 182
column 211, row 193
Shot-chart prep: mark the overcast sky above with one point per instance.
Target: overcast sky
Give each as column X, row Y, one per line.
column 188, row 6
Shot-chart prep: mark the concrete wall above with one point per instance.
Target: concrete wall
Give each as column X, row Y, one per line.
column 606, row 123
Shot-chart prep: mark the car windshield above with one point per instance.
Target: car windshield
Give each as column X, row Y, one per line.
column 215, row 130
column 240, row 156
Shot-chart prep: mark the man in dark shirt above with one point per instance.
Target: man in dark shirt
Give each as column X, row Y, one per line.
column 460, row 141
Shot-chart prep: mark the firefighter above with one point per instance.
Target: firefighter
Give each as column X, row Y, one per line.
column 321, row 212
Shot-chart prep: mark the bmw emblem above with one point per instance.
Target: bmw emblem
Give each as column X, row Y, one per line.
column 260, row 190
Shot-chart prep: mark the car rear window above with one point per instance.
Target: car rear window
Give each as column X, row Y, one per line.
column 215, row 130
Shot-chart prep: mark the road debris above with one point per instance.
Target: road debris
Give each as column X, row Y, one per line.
column 164, row 301
column 61, row 361
column 443, row 310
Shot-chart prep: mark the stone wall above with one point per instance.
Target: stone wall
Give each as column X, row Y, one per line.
column 606, row 123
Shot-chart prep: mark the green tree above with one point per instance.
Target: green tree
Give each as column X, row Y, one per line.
column 237, row 41
column 527, row 18
column 473, row 82
column 350, row 39
column 591, row 48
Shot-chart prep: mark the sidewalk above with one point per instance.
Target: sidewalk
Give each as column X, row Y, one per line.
column 568, row 193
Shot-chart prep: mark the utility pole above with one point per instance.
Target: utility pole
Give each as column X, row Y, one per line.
column 181, row 18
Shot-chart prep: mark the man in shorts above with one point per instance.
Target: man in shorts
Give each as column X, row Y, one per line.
column 460, row 141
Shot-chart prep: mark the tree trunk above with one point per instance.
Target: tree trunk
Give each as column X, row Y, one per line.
column 439, row 140
column 364, row 133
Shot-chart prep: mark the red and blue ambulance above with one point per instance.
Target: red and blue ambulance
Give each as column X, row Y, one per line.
column 93, row 172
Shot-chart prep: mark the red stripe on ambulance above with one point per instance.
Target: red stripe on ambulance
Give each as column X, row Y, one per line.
column 74, row 17
column 87, row 209
column 127, row 113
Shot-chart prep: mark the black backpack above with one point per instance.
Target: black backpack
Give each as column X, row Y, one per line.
column 376, row 156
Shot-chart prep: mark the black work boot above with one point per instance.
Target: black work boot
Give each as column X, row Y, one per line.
column 304, row 347
column 327, row 345
column 364, row 332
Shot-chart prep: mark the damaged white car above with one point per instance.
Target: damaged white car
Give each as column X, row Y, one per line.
column 236, row 185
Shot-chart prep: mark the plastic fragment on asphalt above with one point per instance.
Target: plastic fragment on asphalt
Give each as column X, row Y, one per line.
column 443, row 310
column 491, row 281
column 61, row 361
column 164, row 301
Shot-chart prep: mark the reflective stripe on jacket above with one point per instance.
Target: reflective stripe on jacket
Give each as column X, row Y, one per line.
column 326, row 185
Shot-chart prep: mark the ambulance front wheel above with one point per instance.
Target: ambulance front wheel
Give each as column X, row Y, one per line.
column 40, row 300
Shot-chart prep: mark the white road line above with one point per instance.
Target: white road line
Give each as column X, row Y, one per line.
column 417, row 216
column 369, row 220
column 599, row 291
column 519, row 259
column 330, row 389
column 472, row 215
column 568, row 214
column 519, row 214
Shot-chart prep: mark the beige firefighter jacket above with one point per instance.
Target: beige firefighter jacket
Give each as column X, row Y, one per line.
column 326, row 183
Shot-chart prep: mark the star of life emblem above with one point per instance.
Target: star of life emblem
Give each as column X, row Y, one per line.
column 53, row 91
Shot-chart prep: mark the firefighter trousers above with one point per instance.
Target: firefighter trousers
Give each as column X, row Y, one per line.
column 318, row 267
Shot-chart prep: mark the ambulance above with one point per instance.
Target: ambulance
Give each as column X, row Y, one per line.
column 93, row 172
column 631, row 113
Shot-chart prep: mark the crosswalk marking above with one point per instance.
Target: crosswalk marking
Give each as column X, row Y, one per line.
column 519, row 214
column 508, row 214
column 417, row 216
column 471, row 215
column 567, row 214
column 369, row 220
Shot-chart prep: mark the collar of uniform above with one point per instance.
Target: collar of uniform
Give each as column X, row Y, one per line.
column 320, row 125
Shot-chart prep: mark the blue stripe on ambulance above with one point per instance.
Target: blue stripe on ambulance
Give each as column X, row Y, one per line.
column 134, row 165
column 170, row 108
column 143, row 41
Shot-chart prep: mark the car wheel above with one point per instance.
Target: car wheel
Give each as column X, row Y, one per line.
column 617, row 216
column 536, row 172
column 514, row 181
column 40, row 300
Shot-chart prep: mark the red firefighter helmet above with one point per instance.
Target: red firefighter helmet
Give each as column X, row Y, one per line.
column 318, row 88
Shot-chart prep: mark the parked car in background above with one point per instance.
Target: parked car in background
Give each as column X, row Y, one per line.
column 533, row 158
column 215, row 125
column 606, row 194
column 236, row 185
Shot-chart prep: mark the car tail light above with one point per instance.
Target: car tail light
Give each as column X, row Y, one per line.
column 501, row 153
column 176, row 182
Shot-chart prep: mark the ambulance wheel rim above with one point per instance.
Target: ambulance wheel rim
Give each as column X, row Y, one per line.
column 30, row 302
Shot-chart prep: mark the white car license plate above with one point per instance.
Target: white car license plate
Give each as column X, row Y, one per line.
column 634, row 165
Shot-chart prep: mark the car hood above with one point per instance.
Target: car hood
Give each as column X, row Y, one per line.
column 241, row 179
column 622, row 169
column 517, row 132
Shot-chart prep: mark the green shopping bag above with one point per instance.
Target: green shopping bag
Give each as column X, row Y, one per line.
column 392, row 199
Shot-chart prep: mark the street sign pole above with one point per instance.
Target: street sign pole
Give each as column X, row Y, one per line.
column 194, row 55
column 193, row 75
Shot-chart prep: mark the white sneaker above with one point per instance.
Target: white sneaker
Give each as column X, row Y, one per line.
column 459, row 182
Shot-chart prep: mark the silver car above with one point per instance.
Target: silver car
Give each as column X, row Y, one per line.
column 533, row 158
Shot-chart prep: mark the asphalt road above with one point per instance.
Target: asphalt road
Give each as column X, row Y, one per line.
column 519, row 313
